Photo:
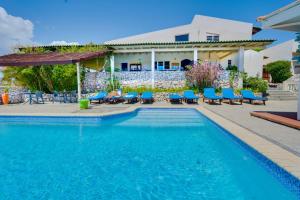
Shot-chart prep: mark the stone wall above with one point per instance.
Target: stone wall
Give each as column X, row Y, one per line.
column 15, row 94
column 163, row 79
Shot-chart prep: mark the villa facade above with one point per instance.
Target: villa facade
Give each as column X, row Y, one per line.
column 169, row 51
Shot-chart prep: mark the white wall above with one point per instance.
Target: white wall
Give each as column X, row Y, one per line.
column 253, row 63
column 197, row 30
column 283, row 51
column 145, row 58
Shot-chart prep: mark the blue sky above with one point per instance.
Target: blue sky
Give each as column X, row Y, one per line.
column 97, row 21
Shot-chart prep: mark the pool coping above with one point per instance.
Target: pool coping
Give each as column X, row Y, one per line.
column 280, row 156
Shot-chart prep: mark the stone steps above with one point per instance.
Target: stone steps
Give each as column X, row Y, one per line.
column 281, row 95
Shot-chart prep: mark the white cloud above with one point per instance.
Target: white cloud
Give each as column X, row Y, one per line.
column 14, row 31
column 63, row 43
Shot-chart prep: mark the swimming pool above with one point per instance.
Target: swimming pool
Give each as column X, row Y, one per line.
column 147, row 154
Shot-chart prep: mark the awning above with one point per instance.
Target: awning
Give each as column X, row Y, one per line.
column 52, row 58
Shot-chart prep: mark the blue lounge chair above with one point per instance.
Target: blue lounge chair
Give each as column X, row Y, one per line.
column 131, row 97
column 147, row 97
column 210, row 95
column 249, row 95
column 228, row 94
column 99, row 97
column 175, row 98
column 189, row 96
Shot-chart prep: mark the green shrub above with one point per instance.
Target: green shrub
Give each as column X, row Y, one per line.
column 279, row 70
column 232, row 68
column 256, row 84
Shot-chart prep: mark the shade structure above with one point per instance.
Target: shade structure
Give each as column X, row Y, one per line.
column 52, row 58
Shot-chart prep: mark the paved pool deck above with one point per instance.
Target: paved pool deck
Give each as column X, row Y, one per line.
column 277, row 142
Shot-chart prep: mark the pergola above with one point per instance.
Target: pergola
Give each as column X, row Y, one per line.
column 52, row 58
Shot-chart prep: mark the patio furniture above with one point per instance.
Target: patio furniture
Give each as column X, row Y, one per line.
column 249, row 95
column 73, row 97
column 175, row 98
column 210, row 95
column 100, row 97
column 190, row 97
column 38, row 98
column 57, row 97
column 147, row 97
column 131, row 97
column 229, row 95
column 114, row 97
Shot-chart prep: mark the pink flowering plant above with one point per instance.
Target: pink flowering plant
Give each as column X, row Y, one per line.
column 204, row 74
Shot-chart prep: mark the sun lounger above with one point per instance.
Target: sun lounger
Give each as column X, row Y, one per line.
column 249, row 95
column 99, row 97
column 147, row 97
column 210, row 95
column 228, row 94
column 189, row 96
column 131, row 97
column 175, row 98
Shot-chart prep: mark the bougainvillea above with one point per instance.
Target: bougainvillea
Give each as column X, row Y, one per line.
column 204, row 74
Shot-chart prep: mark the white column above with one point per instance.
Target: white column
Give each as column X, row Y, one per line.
column 78, row 81
column 152, row 67
column 112, row 68
column 241, row 56
column 195, row 56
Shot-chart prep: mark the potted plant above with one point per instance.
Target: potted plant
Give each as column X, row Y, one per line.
column 5, row 97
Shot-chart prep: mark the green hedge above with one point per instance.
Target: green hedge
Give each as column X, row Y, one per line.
column 279, row 70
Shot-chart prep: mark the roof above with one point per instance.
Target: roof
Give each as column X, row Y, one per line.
column 53, row 58
column 194, row 42
column 291, row 5
column 199, row 44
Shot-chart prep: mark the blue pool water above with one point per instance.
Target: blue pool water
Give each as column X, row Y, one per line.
column 164, row 154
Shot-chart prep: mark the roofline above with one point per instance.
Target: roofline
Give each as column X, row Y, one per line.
column 287, row 7
column 149, row 43
column 187, row 43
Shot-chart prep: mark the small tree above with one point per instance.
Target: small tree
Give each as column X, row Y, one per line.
column 201, row 75
column 279, row 70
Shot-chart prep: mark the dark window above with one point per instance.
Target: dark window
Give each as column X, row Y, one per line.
column 216, row 38
column 182, row 38
column 209, row 38
column 124, row 66
column 136, row 67
column 229, row 63
column 155, row 65
column 167, row 65
column 213, row 38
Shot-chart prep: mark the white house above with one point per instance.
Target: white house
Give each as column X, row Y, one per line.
column 282, row 51
column 222, row 41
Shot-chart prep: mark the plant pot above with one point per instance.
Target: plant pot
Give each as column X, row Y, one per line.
column 84, row 104
column 5, row 98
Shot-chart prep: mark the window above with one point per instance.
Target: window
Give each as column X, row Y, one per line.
column 229, row 63
column 124, row 66
column 167, row 65
column 182, row 38
column 211, row 37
